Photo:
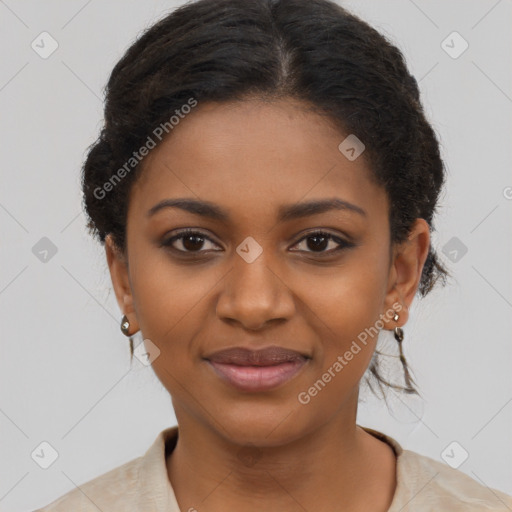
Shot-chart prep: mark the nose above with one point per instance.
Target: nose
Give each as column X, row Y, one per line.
column 254, row 294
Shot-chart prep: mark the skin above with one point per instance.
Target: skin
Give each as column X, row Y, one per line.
column 250, row 158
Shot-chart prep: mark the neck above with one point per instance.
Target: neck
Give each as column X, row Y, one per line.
column 338, row 463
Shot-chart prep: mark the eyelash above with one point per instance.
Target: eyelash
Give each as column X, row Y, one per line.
column 342, row 244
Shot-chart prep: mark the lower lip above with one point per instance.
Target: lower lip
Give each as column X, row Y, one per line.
column 258, row 378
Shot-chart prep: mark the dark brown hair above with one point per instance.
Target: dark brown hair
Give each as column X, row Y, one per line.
column 311, row 50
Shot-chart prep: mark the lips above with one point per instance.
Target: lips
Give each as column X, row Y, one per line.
column 264, row 357
column 256, row 370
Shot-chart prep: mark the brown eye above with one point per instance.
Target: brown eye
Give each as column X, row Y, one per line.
column 189, row 241
column 319, row 241
column 192, row 242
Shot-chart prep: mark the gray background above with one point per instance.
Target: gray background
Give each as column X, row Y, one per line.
column 65, row 376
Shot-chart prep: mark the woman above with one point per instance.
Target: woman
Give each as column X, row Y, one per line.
column 265, row 186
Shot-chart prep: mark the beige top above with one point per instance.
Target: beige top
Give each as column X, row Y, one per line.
column 142, row 485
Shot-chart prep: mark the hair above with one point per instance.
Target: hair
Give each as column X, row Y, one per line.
column 313, row 51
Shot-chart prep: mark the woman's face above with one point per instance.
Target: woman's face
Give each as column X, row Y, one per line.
column 257, row 275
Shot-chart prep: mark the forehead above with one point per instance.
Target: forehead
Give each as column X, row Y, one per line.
column 254, row 153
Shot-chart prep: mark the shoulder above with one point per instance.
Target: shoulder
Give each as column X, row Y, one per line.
column 427, row 484
column 116, row 487
column 139, row 484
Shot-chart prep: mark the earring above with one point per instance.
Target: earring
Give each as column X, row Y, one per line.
column 125, row 326
column 399, row 333
column 399, row 337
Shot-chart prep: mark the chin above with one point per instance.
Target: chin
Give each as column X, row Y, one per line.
column 261, row 426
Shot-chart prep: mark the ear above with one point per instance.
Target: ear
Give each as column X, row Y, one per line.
column 118, row 267
column 405, row 272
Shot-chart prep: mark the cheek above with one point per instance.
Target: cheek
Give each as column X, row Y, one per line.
column 349, row 298
column 346, row 311
column 344, row 305
column 167, row 297
column 172, row 303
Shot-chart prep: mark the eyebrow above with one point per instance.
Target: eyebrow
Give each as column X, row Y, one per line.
column 285, row 213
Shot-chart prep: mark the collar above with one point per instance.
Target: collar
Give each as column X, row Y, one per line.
column 153, row 472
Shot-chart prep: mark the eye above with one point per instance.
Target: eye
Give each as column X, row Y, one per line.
column 318, row 241
column 189, row 240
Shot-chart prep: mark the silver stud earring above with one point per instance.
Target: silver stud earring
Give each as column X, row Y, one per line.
column 125, row 326
column 399, row 333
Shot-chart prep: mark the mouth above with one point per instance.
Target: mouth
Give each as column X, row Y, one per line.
column 257, row 370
